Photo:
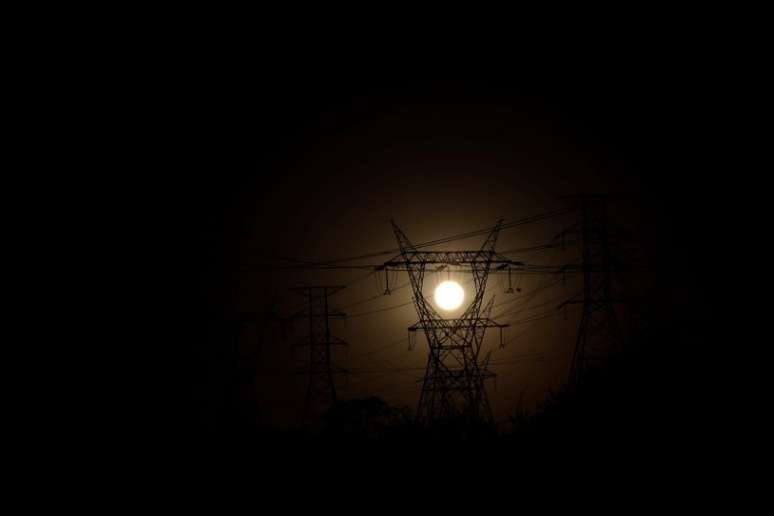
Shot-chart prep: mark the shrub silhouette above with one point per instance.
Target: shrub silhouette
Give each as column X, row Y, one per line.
column 365, row 419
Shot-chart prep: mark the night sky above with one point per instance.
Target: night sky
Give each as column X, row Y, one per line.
column 312, row 163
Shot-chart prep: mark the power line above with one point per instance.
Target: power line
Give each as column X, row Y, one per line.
column 461, row 236
column 387, row 309
column 382, row 348
column 555, row 301
column 393, row 307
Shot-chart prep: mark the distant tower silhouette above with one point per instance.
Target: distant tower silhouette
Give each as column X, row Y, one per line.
column 321, row 389
column 599, row 333
column 453, row 385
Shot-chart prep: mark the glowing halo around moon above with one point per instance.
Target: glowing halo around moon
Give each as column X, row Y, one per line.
column 449, row 295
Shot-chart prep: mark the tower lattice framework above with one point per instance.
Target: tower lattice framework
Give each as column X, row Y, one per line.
column 321, row 388
column 454, row 381
column 599, row 334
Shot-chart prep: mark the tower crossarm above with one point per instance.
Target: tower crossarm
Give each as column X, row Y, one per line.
column 414, row 258
column 456, row 324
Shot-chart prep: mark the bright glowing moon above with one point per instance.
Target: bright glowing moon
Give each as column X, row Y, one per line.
column 449, row 295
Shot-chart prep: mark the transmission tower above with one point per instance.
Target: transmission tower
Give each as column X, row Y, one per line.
column 321, row 389
column 599, row 333
column 453, row 385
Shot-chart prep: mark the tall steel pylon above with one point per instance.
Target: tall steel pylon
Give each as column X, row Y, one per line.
column 453, row 385
column 599, row 333
column 321, row 389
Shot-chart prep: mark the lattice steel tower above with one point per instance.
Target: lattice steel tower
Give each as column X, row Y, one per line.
column 599, row 333
column 321, row 389
column 453, row 384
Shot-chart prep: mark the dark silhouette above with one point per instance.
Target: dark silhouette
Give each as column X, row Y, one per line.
column 366, row 419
